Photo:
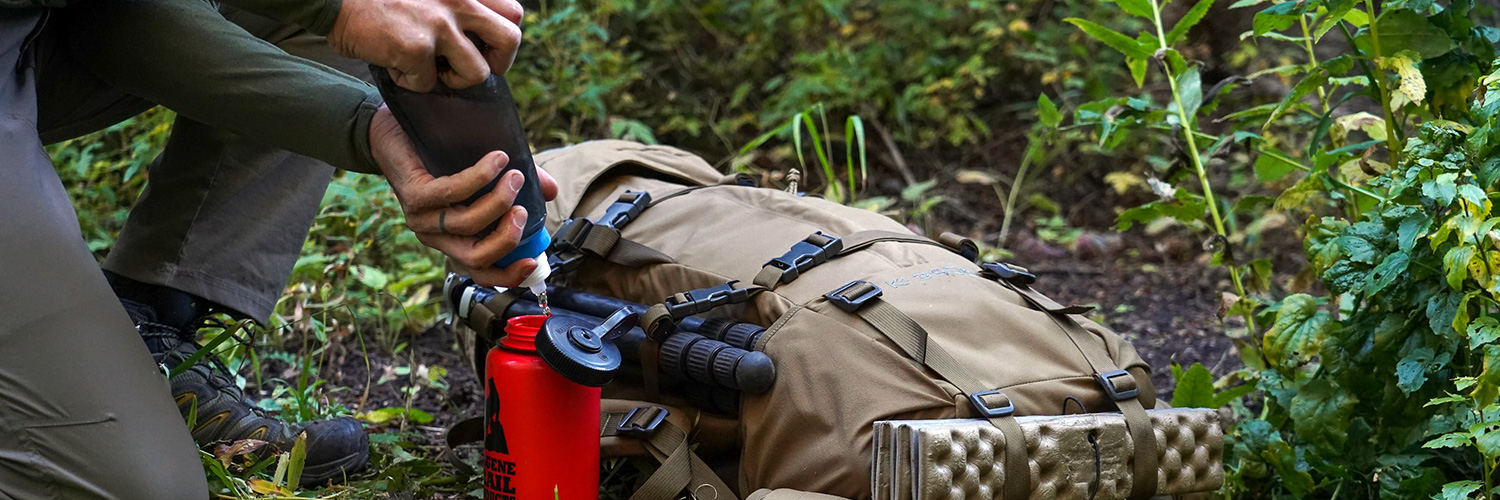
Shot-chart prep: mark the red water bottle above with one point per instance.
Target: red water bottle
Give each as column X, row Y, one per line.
column 541, row 430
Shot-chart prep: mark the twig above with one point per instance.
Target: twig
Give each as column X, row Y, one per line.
column 890, row 146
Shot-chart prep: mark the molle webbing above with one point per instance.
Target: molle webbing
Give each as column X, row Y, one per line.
column 1118, row 384
column 863, row 299
column 681, row 470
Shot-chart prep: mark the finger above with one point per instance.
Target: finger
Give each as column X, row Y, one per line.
column 467, row 66
column 549, row 184
column 471, row 219
column 439, row 192
column 511, row 276
column 475, row 253
column 416, row 71
column 501, row 35
column 509, row 9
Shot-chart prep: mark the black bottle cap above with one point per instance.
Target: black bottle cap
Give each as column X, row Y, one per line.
column 578, row 350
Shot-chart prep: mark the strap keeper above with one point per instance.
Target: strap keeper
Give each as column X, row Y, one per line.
column 571, row 234
column 642, row 421
column 1009, row 272
column 1107, row 380
column 992, row 403
column 960, row 245
column 852, row 297
column 702, row 300
column 812, row 251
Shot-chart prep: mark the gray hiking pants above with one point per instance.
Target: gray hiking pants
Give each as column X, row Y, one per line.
column 84, row 412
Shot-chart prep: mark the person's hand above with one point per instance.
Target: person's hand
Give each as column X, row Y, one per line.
column 432, row 213
column 408, row 36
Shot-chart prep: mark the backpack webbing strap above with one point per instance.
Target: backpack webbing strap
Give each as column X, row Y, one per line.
column 863, row 239
column 818, row 248
column 863, row 299
column 580, row 237
column 742, row 180
column 1118, row 384
column 680, row 470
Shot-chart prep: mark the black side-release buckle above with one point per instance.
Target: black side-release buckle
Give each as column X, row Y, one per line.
column 810, row 252
column 1107, row 380
column 642, row 421
column 702, row 300
column 992, row 403
column 852, row 297
column 1008, row 272
column 629, row 206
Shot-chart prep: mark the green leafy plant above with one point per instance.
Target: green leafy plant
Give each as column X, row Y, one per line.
column 1402, row 248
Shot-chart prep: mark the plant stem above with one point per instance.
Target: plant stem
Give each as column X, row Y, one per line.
column 1312, row 59
column 1015, row 190
column 1192, row 147
column 1383, row 91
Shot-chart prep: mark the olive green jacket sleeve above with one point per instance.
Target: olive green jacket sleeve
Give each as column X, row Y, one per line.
column 184, row 55
column 315, row 15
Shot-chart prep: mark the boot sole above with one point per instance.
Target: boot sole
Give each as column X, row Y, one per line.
column 336, row 471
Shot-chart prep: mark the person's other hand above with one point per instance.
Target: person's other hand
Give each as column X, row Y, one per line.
column 408, row 36
column 430, row 204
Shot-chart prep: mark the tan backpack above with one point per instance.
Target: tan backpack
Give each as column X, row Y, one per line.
column 865, row 321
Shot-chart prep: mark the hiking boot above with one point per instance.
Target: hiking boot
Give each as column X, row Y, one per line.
column 336, row 448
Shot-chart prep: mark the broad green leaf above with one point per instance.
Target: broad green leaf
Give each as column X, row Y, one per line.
column 1320, row 414
column 1487, row 384
column 1272, row 167
column 1487, row 439
column 1297, row 332
column 1402, row 29
column 1195, row 387
column 371, row 277
column 1391, row 268
column 1047, row 111
column 1357, row 18
column 1442, row 308
column 1138, row 8
column 1450, row 440
column 1442, row 189
column 1411, row 371
column 1474, row 195
column 1289, row 470
column 1229, row 395
column 1190, row 87
column 1337, row 10
column 1277, row 17
column 1358, row 249
column 1456, row 265
column 1459, row 490
column 1185, row 207
column 1461, row 313
column 1412, row 227
column 1138, row 67
column 1483, row 330
column 1190, row 19
column 1126, row 45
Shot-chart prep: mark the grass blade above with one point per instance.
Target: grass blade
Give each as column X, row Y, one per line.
column 295, row 461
